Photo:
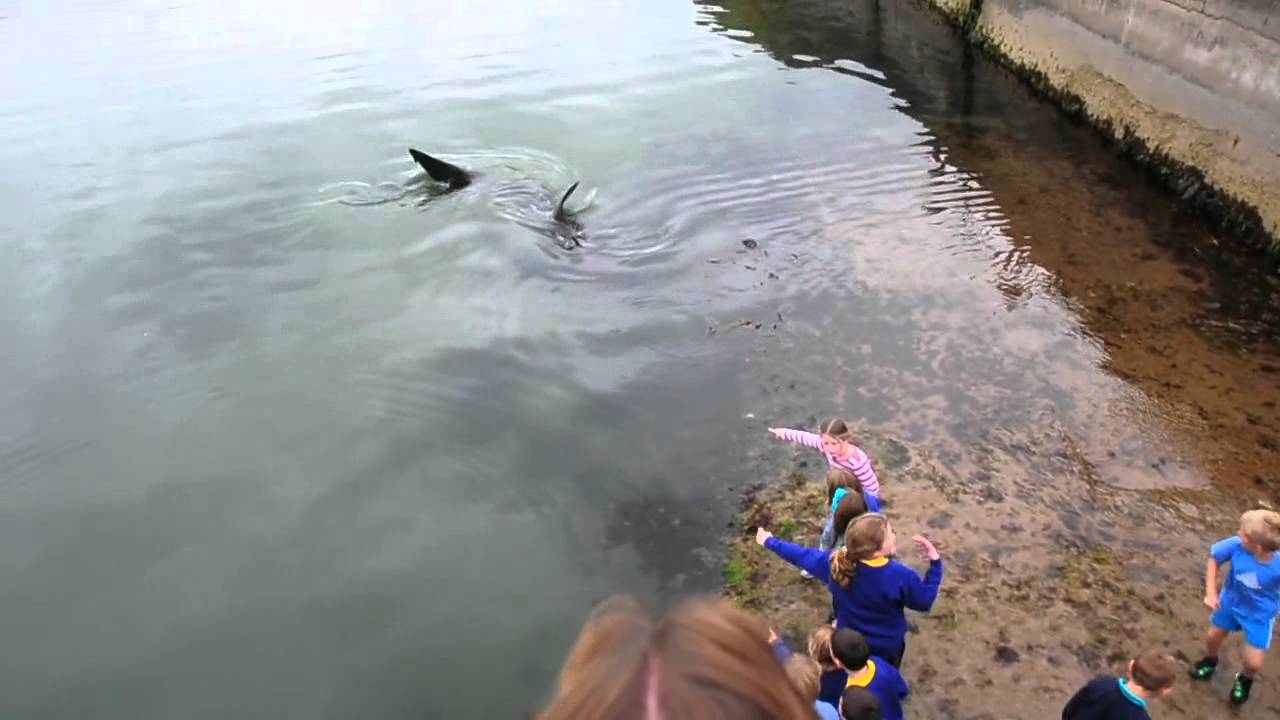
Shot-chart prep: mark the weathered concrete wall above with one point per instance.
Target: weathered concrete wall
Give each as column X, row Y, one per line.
column 1196, row 81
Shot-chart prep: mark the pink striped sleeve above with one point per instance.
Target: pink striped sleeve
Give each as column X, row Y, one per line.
column 807, row 439
column 861, row 466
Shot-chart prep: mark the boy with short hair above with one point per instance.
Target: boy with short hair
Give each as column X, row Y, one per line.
column 803, row 672
column 1108, row 697
column 850, row 651
column 859, row 703
column 1249, row 600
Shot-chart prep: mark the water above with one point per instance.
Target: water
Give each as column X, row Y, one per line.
column 286, row 433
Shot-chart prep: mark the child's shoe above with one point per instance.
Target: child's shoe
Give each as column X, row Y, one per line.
column 1240, row 689
column 1203, row 669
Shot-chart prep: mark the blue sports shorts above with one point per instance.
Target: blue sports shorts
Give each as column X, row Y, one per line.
column 1256, row 633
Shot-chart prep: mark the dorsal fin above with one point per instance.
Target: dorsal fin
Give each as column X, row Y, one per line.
column 560, row 215
column 441, row 171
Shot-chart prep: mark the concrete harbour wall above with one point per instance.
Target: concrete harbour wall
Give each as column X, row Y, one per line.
column 1191, row 87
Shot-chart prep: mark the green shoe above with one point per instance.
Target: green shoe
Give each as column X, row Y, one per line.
column 1203, row 670
column 1240, row 689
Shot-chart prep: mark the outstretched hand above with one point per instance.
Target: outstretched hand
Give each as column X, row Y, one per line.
column 926, row 547
column 777, row 432
column 762, row 535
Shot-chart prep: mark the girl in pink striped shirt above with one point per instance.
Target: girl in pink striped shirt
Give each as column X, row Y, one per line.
column 835, row 440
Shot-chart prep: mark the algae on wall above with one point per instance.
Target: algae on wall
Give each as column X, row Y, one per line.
column 1223, row 164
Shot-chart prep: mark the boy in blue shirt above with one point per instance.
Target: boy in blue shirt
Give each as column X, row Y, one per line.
column 1249, row 599
column 849, row 648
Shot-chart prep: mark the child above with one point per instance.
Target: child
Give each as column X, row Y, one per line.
column 865, row 670
column 831, row 683
column 1112, row 698
column 859, row 703
column 705, row 658
column 803, row 673
column 844, row 497
column 836, row 442
column 869, row 589
column 828, row 678
column 847, row 507
column 1249, row 597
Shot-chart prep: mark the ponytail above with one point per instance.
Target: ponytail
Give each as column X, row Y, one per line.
column 862, row 540
column 843, row 567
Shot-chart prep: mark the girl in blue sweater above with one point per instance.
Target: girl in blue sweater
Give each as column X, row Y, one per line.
column 870, row 590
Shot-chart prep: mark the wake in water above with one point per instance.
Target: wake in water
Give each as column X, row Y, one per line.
column 512, row 187
column 358, row 194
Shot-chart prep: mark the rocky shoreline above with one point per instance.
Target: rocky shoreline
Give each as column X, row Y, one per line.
column 1040, row 592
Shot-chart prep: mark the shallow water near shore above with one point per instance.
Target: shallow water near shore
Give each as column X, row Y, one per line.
column 285, row 433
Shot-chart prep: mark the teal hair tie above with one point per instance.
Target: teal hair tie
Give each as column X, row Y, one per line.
column 835, row 498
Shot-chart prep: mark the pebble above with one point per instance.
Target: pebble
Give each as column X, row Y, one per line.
column 1007, row 655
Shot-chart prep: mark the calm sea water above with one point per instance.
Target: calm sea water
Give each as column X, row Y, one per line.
column 286, row 433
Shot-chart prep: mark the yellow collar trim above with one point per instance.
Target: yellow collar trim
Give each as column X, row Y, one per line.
column 865, row 679
column 876, row 562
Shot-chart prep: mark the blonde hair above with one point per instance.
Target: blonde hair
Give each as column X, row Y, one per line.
column 1263, row 528
column 805, row 676
column 705, row 659
column 862, row 541
column 820, row 648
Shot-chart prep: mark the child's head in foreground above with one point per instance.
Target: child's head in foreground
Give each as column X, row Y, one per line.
column 1154, row 672
column 1260, row 531
column 703, row 658
column 859, row 703
column 805, row 676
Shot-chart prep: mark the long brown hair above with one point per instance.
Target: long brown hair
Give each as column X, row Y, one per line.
column 840, row 478
column 862, row 541
column 805, row 676
column 704, row 659
column 820, row 648
column 851, row 506
column 836, row 428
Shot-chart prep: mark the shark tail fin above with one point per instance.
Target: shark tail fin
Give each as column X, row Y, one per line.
column 561, row 214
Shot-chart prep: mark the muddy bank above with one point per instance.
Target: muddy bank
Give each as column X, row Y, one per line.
column 1043, row 589
column 1189, row 91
